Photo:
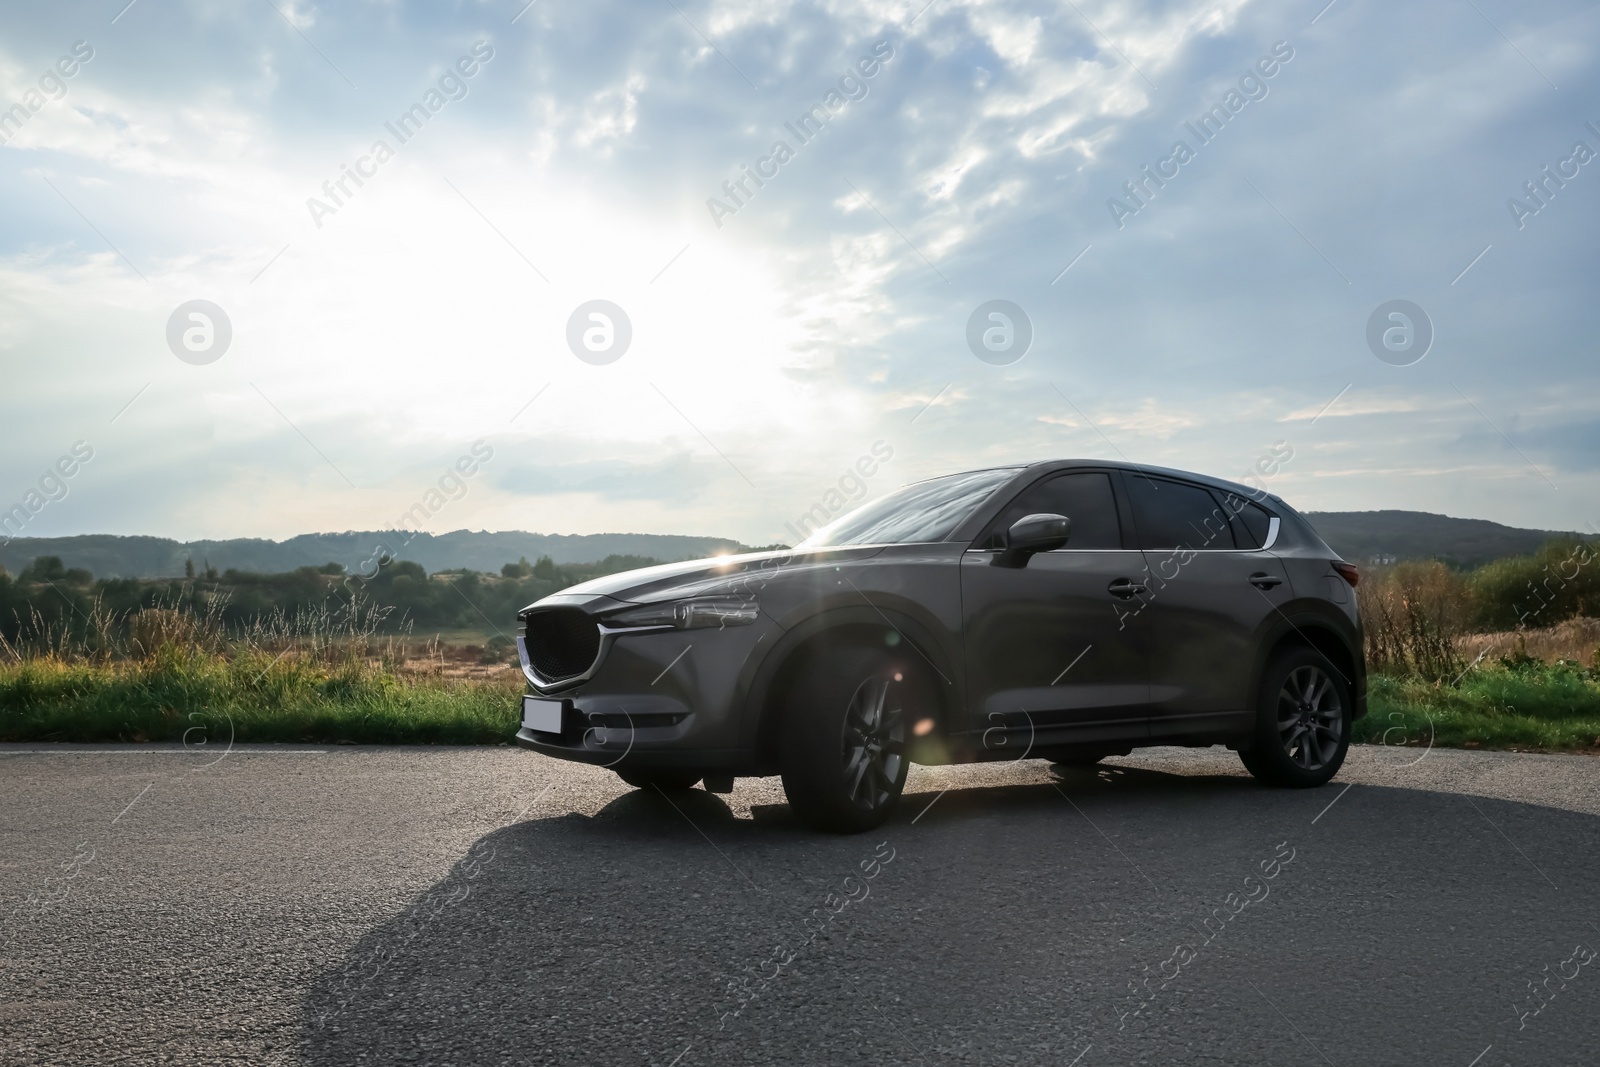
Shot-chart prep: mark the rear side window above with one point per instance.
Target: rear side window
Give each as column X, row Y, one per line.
column 1085, row 498
column 1252, row 522
column 1175, row 515
column 1295, row 532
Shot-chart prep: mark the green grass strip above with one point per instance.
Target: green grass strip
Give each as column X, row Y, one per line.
column 208, row 699
column 1553, row 709
column 187, row 695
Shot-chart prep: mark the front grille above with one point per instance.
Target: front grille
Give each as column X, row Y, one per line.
column 561, row 643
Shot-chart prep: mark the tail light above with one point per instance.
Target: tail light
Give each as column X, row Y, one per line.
column 1347, row 572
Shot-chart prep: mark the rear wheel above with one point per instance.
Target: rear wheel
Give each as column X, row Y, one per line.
column 660, row 779
column 843, row 751
column 1302, row 721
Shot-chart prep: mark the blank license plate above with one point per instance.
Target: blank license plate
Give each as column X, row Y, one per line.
column 542, row 715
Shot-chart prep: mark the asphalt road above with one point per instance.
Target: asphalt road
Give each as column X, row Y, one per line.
column 490, row 906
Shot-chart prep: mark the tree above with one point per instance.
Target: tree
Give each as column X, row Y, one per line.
column 43, row 569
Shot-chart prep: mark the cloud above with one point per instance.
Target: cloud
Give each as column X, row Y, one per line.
column 1150, row 419
column 676, row 479
column 1341, row 407
column 832, row 307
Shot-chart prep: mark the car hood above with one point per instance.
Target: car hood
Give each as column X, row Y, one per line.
column 672, row 581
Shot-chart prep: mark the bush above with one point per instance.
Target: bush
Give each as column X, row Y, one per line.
column 1412, row 614
column 1560, row 581
column 499, row 649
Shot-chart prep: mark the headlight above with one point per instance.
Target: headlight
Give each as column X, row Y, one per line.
column 689, row 614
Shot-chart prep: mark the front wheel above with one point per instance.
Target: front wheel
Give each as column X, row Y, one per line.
column 673, row 780
column 1303, row 716
column 843, row 751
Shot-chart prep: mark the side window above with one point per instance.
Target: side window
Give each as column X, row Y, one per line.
column 1174, row 515
column 1085, row 498
column 1251, row 521
column 1295, row 532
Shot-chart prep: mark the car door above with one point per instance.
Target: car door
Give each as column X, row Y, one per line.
column 1210, row 595
column 1047, row 660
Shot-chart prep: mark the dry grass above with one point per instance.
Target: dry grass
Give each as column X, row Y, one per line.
column 1575, row 640
column 1413, row 613
column 321, row 675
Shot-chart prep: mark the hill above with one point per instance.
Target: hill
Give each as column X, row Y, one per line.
column 1360, row 536
column 1364, row 536
column 108, row 556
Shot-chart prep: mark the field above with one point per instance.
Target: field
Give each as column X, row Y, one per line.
column 389, row 692
column 198, row 698
column 319, row 663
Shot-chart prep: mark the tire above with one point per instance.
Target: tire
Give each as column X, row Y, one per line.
column 1303, row 717
column 843, row 742
column 664, row 780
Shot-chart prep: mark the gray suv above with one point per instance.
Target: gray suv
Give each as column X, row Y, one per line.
column 1066, row 610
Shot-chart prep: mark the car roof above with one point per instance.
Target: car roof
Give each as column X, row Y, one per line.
column 1026, row 472
column 1048, row 465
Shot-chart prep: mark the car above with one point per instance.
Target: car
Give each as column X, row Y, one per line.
column 1066, row 610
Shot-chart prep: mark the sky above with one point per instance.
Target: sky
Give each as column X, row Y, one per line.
column 983, row 245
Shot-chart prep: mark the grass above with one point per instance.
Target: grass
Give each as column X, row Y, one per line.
column 1554, row 708
column 196, row 697
column 183, row 693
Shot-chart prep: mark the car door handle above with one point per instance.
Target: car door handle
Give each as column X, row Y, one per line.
column 1265, row 581
column 1124, row 588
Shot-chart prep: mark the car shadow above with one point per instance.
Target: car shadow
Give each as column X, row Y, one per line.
column 1017, row 921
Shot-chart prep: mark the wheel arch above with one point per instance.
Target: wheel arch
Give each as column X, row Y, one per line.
column 764, row 702
column 1313, row 631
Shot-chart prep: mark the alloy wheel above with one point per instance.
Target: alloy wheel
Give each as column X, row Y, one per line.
column 873, row 747
column 1310, row 717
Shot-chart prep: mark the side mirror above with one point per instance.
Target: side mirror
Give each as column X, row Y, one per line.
column 1033, row 533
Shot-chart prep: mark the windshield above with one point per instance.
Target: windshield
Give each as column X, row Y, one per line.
column 920, row 512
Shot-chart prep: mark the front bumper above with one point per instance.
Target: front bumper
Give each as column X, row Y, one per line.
column 663, row 699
